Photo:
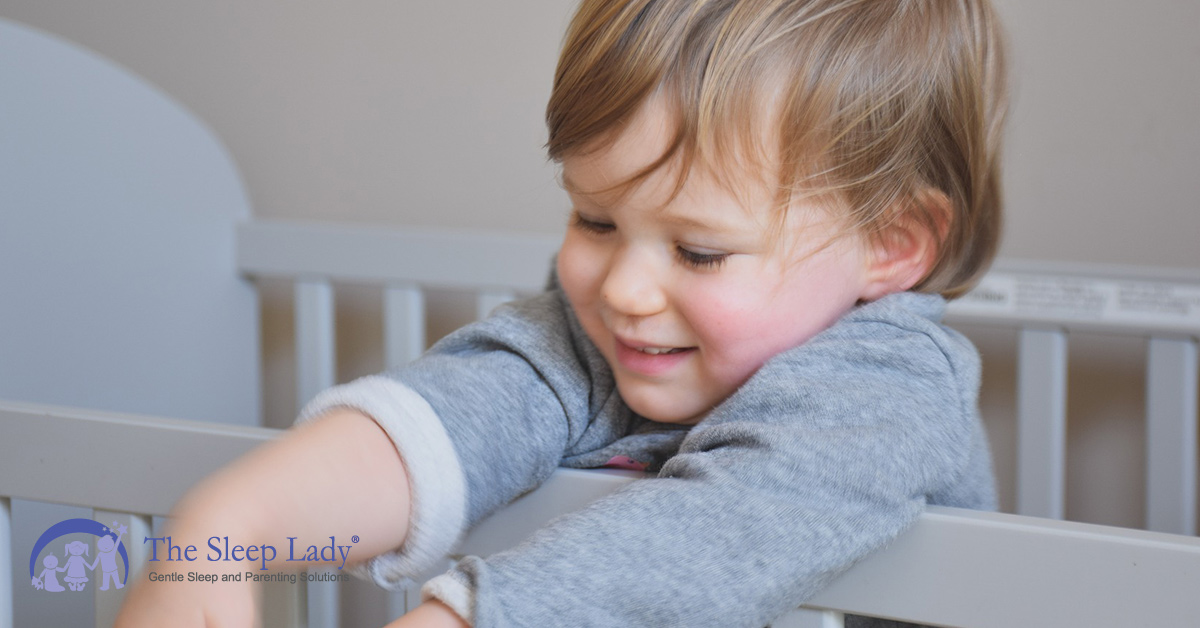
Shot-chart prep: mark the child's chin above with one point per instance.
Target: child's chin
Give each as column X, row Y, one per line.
column 665, row 411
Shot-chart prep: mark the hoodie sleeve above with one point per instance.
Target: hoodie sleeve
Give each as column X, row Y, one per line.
column 480, row 419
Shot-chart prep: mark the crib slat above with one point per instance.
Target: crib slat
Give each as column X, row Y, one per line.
column 283, row 606
column 1171, row 435
column 488, row 300
column 322, row 603
column 314, row 338
column 398, row 603
column 1041, row 422
column 6, row 561
column 403, row 324
column 138, row 527
column 315, row 366
column 810, row 618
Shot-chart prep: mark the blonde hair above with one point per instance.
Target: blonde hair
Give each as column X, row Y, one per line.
column 871, row 103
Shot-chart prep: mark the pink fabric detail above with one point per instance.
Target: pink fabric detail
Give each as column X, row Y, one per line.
column 625, row 462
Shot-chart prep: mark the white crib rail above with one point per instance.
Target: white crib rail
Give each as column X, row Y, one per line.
column 146, row 463
column 955, row 567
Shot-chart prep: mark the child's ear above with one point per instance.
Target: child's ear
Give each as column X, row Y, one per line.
column 904, row 253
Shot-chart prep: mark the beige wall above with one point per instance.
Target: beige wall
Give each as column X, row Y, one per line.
column 414, row 111
column 1105, row 137
column 429, row 112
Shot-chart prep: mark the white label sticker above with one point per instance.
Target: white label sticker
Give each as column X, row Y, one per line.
column 1062, row 299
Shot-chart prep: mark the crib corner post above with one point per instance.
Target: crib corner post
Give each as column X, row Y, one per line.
column 6, row 563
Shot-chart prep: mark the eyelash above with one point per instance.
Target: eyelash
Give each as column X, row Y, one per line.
column 703, row 261
column 591, row 226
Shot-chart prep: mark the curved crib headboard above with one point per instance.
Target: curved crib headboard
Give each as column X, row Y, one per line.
column 117, row 243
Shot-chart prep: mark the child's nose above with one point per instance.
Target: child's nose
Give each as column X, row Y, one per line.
column 632, row 286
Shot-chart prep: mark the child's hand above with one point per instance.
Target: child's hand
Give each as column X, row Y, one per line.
column 189, row 605
column 352, row 482
column 180, row 603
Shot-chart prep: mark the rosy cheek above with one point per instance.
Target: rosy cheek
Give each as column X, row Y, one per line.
column 729, row 326
column 741, row 329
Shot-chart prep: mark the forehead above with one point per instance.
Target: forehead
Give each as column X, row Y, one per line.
column 621, row 154
column 623, row 164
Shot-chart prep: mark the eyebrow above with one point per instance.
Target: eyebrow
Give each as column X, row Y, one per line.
column 680, row 220
column 573, row 188
column 604, row 198
column 672, row 218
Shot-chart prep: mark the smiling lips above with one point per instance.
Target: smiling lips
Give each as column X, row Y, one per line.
column 650, row 360
column 660, row 350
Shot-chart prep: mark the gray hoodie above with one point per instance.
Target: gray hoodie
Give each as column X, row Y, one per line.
column 826, row 454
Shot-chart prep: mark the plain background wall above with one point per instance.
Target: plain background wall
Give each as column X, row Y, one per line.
column 429, row 112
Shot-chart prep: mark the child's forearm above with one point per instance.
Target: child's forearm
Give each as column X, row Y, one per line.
column 432, row 614
column 338, row 476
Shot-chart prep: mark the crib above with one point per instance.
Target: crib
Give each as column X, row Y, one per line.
column 127, row 459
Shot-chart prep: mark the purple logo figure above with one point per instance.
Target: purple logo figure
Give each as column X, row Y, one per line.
column 108, row 547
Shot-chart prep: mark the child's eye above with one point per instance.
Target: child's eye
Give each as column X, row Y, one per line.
column 590, row 226
column 704, row 261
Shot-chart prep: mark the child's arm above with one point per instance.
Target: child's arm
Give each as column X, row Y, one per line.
column 431, row 614
column 337, row 476
column 482, row 418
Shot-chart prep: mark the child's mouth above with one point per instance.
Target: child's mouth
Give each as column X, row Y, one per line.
column 661, row 350
column 650, row 360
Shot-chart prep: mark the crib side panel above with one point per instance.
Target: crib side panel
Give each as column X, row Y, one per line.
column 954, row 567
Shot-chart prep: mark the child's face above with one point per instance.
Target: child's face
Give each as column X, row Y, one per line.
column 687, row 297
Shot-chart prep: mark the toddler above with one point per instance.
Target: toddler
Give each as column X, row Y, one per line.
column 771, row 202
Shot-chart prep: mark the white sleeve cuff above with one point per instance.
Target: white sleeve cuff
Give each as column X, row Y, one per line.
column 436, row 481
column 452, row 592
